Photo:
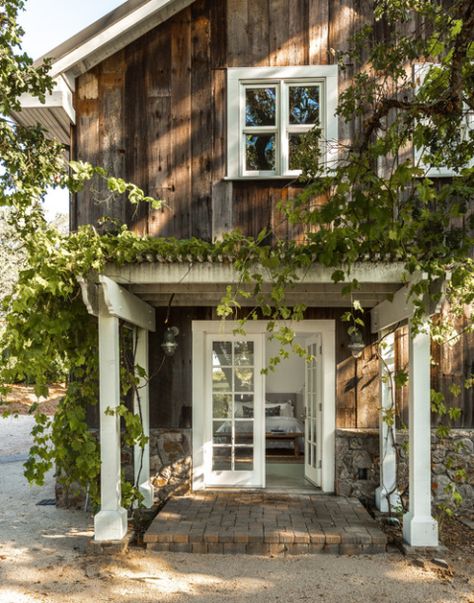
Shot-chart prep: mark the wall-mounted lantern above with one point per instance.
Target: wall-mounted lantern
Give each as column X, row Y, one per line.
column 356, row 344
column 169, row 344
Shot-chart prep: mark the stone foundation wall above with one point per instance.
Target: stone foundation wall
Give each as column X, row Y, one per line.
column 357, row 465
column 170, row 462
column 170, row 468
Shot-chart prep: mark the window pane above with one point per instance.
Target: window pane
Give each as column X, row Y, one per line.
column 294, row 141
column 243, row 379
column 243, row 406
column 304, row 104
column 222, row 406
column 244, row 353
column 222, row 459
column 244, row 459
column 260, row 106
column 222, row 432
column 260, row 152
column 222, row 379
column 221, row 353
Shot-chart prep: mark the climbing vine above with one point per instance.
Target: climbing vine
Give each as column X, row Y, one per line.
column 378, row 205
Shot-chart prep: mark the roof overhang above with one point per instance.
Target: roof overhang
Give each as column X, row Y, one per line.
column 204, row 284
column 110, row 34
column 56, row 114
column 78, row 54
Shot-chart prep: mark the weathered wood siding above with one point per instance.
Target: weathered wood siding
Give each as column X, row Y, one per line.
column 155, row 112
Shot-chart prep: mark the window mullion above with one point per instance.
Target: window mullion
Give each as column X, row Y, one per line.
column 283, row 122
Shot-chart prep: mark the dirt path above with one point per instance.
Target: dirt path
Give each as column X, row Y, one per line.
column 42, row 558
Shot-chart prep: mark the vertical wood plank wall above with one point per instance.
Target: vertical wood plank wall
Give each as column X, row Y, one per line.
column 155, row 114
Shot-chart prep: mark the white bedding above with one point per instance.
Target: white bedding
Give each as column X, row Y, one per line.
column 282, row 424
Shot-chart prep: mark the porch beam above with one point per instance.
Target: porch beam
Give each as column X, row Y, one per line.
column 419, row 527
column 126, row 306
column 224, row 273
column 388, row 313
column 141, row 408
column 110, row 523
column 387, row 497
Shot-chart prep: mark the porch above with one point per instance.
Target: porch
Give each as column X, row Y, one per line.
column 265, row 523
column 150, row 285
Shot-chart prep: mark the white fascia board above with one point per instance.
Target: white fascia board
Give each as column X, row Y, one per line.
column 206, row 272
column 147, row 16
column 128, row 307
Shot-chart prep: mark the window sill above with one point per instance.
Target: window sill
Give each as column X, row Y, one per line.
column 262, row 178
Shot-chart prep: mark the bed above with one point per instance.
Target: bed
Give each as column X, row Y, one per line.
column 279, row 420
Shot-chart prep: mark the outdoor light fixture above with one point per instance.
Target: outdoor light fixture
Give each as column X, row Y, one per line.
column 169, row 344
column 356, row 344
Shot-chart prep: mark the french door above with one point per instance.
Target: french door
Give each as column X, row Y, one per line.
column 313, row 411
column 235, row 390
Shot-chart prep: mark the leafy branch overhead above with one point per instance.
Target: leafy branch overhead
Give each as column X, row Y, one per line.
column 380, row 203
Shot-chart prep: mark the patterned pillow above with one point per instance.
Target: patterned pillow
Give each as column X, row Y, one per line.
column 247, row 412
column 272, row 411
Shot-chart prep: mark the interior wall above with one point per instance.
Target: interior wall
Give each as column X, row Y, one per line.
column 288, row 376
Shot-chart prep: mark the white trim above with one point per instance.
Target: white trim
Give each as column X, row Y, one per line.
column 117, row 36
column 282, row 77
column 327, row 329
column 126, row 306
column 420, row 71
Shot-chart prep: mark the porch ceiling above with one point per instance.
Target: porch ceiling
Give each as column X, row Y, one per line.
column 203, row 284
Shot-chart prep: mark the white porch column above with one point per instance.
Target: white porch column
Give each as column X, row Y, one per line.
column 142, row 408
column 386, row 495
column 111, row 521
column 419, row 527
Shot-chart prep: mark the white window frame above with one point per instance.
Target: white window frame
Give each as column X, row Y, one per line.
column 420, row 71
column 240, row 78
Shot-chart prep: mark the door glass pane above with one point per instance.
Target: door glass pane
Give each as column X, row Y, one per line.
column 244, row 433
column 260, row 106
column 243, row 379
column 222, row 353
column 243, row 406
column 222, row 432
column 233, row 382
column 244, row 459
column 221, row 459
column 222, row 379
column 260, row 152
column 304, row 104
column 244, row 353
column 221, row 406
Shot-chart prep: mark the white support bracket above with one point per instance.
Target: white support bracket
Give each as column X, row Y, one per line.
column 126, row 306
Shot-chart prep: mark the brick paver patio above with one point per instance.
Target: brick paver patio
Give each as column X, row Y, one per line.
column 264, row 523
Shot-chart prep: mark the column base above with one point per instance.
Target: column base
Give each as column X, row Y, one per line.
column 382, row 500
column 147, row 491
column 420, row 531
column 110, row 525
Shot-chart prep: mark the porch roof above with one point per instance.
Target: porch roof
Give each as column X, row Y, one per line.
column 203, row 284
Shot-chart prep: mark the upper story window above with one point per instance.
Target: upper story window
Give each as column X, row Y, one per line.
column 270, row 109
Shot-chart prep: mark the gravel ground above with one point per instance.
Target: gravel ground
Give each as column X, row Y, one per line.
column 43, row 558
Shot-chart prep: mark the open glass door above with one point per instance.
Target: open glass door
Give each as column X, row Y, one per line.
column 313, row 411
column 235, row 410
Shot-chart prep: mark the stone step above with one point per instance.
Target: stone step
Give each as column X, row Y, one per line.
column 264, row 524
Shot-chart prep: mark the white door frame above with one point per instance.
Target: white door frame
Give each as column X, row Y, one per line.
column 313, row 474
column 327, row 329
